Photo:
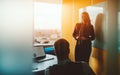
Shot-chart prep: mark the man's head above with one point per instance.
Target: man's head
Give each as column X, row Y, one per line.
column 62, row 49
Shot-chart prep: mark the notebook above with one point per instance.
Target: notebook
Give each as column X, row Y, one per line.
column 39, row 54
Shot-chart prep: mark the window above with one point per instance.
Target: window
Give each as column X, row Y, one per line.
column 47, row 22
column 93, row 12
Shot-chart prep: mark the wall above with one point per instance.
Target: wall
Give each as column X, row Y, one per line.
column 112, row 37
column 119, row 35
column 16, row 35
column 67, row 22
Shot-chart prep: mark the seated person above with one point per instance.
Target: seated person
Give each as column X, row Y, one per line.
column 65, row 66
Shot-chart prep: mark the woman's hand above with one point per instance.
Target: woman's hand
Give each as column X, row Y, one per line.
column 77, row 38
column 81, row 38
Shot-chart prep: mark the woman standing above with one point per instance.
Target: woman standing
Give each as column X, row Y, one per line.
column 84, row 34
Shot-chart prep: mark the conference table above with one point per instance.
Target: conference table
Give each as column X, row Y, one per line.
column 39, row 67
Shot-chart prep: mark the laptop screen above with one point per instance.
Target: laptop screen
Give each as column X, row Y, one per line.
column 38, row 52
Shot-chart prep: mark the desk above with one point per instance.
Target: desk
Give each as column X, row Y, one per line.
column 40, row 67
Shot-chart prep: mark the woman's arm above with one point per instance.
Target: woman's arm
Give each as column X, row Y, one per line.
column 92, row 33
column 76, row 32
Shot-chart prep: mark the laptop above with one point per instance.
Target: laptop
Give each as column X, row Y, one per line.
column 39, row 54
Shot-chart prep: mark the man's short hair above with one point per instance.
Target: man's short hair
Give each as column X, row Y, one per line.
column 62, row 48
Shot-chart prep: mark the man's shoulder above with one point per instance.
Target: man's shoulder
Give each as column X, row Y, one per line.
column 70, row 64
column 71, row 68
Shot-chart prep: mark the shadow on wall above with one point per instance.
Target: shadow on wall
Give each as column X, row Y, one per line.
column 99, row 41
column 97, row 54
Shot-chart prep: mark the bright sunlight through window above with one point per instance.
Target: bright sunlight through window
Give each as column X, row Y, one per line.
column 47, row 16
column 47, row 22
column 93, row 12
